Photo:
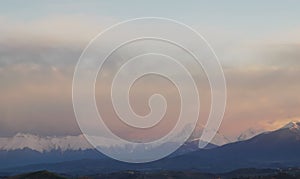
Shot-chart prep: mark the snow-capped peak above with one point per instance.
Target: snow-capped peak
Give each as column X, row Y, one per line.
column 42, row 144
column 249, row 133
column 294, row 125
column 219, row 139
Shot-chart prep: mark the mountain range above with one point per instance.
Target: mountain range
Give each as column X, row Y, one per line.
column 43, row 144
column 274, row 149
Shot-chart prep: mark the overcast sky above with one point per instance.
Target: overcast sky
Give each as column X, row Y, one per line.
column 258, row 44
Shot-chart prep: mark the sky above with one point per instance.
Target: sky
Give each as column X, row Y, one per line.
column 258, row 44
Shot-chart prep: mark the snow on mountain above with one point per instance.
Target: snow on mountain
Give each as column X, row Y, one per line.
column 46, row 144
column 219, row 139
column 249, row 133
column 293, row 125
column 42, row 144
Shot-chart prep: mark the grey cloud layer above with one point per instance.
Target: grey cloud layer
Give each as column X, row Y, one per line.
column 36, row 78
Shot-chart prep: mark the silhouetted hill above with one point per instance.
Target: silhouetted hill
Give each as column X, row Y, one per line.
column 38, row 175
column 26, row 156
column 248, row 173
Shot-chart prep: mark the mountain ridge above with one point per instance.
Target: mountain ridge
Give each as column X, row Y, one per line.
column 44, row 144
column 274, row 149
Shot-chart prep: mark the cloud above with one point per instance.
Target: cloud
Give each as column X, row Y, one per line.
column 276, row 124
column 37, row 61
column 266, row 90
column 283, row 55
column 52, row 31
